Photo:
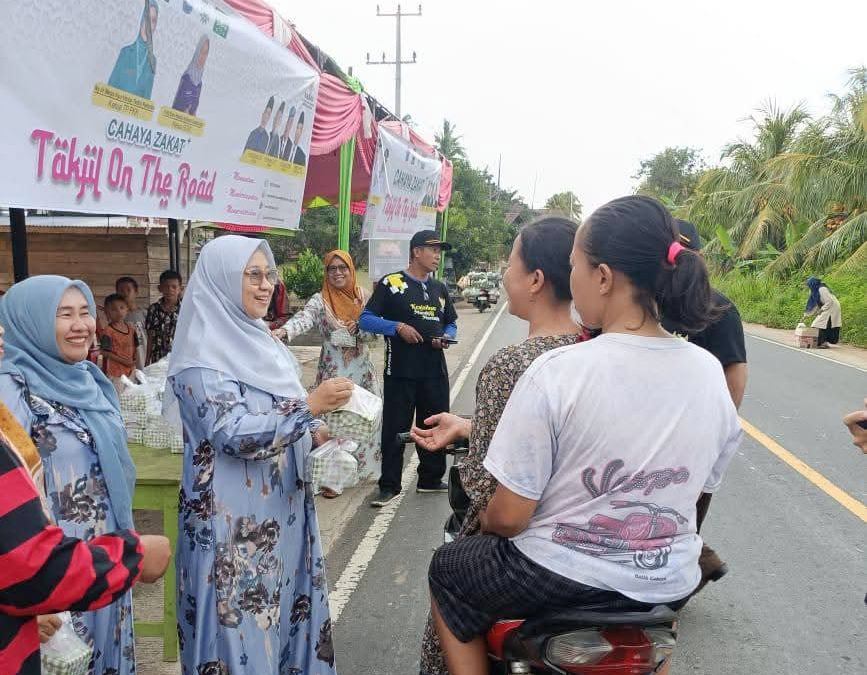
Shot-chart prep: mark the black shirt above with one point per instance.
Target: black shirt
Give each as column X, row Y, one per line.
column 427, row 307
column 724, row 338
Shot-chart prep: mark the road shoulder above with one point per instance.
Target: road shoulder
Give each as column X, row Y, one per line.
column 845, row 354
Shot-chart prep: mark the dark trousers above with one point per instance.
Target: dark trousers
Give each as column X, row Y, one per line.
column 401, row 398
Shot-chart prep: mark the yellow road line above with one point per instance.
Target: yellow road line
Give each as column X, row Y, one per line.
column 808, row 472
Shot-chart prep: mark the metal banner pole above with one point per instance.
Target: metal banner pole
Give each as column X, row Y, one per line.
column 18, row 236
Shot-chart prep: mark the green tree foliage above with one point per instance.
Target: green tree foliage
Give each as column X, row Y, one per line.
column 448, row 142
column 565, row 203
column 670, row 175
column 480, row 226
column 792, row 198
column 304, row 277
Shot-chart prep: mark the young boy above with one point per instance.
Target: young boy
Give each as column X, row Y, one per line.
column 117, row 340
column 127, row 288
column 162, row 317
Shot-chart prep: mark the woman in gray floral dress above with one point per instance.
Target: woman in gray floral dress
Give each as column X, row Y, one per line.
column 334, row 313
column 537, row 283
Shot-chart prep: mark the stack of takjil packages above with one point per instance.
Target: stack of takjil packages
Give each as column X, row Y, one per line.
column 353, row 424
column 141, row 405
column 806, row 337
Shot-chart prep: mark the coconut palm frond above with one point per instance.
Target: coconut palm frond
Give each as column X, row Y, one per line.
column 768, row 227
column 795, row 254
column 856, row 263
column 843, row 243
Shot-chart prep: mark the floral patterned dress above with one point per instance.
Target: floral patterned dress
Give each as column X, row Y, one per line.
column 80, row 506
column 252, row 594
column 496, row 382
column 350, row 362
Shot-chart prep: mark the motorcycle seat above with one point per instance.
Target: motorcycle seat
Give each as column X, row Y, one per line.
column 583, row 617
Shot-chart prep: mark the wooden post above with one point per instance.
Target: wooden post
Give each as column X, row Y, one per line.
column 189, row 249
column 18, row 237
column 444, row 230
column 174, row 258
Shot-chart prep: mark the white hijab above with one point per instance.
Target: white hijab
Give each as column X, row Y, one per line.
column 215, row 332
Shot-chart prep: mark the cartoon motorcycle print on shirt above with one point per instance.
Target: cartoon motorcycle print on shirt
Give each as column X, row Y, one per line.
column 643, row 539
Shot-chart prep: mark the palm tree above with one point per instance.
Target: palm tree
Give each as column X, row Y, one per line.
column 449, row 143
column 826, row 171
column 566, row 203
column 744, row 196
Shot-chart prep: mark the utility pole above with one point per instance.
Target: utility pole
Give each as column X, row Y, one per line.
column 397, row 62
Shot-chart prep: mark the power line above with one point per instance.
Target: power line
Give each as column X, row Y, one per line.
column 397, row 62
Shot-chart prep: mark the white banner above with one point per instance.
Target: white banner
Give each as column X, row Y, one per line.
column 404, row 190
column 165, row 108
column 387, row 256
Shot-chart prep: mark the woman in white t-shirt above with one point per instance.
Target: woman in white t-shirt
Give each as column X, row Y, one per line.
column 602, row 449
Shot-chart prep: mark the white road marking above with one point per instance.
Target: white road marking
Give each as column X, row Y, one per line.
column 807, row 352
column 354, row 571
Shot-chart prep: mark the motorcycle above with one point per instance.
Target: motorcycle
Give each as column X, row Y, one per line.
column 627, row 639
column 483, row 300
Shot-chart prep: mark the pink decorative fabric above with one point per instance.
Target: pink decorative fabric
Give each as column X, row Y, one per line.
column 338, row 109
column 323, row 174
column 340, row 115
column 445, row 185
column 244, row 229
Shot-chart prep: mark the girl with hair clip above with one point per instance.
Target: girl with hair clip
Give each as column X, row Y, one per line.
column 602, row 449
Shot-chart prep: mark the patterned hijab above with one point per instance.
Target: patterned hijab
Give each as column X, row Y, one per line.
column 28, row 313
column 345, row 303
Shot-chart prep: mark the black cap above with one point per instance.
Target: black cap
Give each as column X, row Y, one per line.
column 689, row 235
column 428, row 238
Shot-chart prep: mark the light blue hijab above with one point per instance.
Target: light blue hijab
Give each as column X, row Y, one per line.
column 28, row 313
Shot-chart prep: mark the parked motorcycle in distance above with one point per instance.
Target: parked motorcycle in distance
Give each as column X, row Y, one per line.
column 483, row 300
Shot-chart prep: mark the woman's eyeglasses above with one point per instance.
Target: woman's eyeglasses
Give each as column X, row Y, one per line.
column 337, row 269
column 256, row 276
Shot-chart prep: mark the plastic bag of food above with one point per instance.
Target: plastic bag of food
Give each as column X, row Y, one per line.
column 364, row 404
column 65, row 653
column 333, row 466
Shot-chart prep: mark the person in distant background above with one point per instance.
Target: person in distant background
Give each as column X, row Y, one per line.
column 274, row 138
column 724, row 338
column 278, row 309
column 127, row 288
column 830, row 318
column 136, row 64
column 162, row 316
column 117, row 340
column 259, row 138
column 190, row 86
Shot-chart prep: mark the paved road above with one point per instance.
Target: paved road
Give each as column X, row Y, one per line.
column 794, row 600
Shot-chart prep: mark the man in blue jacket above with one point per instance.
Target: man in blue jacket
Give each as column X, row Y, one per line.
column 414, row 312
